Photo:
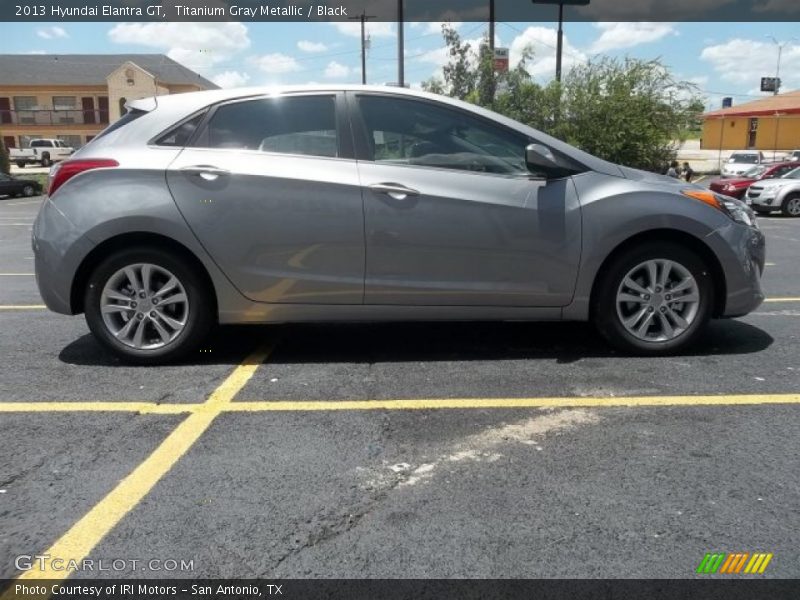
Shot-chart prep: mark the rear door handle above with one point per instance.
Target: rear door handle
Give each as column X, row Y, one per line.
column 394, row 190
column 206, row 172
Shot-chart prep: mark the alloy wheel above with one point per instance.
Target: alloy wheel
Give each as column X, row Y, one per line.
column 658, row 300
column 144, row 306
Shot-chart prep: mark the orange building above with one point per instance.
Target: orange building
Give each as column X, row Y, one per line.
column 72, row 97
column 771, row 123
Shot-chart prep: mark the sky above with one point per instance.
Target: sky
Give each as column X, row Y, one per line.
column 721, row 59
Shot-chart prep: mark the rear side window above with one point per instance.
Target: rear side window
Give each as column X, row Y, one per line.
column 182, row 133
column 41, row 144
column 302, row 125
column 129, row 117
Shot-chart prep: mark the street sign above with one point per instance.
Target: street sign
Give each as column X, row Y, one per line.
column 501, row 60
column 770, row 84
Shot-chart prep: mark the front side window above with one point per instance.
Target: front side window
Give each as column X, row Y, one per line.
column 302, row 125
column 410, row 132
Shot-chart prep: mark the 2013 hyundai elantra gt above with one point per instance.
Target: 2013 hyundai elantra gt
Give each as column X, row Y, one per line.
column 359, row 203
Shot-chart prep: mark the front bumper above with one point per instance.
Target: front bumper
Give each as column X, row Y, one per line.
column 743, row 262
column 58, row 250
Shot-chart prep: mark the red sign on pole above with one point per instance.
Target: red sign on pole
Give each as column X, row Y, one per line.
column 501, row 60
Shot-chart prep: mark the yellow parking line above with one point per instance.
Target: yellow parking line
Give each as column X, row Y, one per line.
column 216, row 406
column 22, row 307
column 464, row 403
column 791, row 299
column 135, row 407
column 79, row 541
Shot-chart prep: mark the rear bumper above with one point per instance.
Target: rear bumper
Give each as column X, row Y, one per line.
column 58, row 250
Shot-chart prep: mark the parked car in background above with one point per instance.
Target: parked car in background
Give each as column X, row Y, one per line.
column 781, row 194
column 741, row 161
column 737, row 186
column 14, row 186
column 358, row 203
column 42, row 152
column 795, row 155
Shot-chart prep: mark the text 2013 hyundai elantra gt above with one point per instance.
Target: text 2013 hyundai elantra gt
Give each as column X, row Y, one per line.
column 363, row 203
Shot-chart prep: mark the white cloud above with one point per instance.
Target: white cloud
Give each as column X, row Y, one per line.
column 313, row 47
column 231, row 79
column 336, row 70
column 542, row 40
column 49, row 33
column 374, row 29
column 198, row 46
column 276, row 63
column 627, row 35
column 744, row 62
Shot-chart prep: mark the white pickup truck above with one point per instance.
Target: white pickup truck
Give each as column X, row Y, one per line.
column 42, row 152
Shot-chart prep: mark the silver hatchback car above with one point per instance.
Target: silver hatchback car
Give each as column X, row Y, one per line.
column 355, row 203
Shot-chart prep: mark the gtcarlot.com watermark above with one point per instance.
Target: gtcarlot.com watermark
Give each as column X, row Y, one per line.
column 46, row 562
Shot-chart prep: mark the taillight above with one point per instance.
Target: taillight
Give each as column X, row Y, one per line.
column 64, row 171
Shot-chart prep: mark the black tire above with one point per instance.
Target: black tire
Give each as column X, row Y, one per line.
column 791, row 206
column 28, row 191
column 761, row 211
column 46, row 162
column 21, row 164
column 201, row 316
column 604, row 308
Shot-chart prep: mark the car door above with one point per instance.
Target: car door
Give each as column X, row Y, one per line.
column 270, row 187
column 7, row 185
column 453, row 216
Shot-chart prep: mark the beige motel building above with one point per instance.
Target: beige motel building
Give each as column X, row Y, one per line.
column 72, row 97
column 771, row 123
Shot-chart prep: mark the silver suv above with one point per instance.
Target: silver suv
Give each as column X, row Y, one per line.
column 781, row 194
column 365, row 204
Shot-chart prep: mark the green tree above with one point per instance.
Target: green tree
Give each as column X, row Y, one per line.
column 628, row 111
column 5, row 165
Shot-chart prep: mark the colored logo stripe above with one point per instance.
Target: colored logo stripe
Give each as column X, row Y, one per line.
column 733, row 563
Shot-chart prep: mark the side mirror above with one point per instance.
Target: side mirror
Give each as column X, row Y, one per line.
column 539, row 159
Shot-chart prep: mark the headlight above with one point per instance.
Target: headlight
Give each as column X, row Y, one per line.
column 730, row 188
column 735, row 209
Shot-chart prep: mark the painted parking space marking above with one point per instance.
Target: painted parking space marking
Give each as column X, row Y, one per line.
column 81, row 539
column 22, row 307
column 408, row 404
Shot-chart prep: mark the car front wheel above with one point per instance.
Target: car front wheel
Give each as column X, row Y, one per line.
column 791, row 206
column 654, row 300
column 147, row 306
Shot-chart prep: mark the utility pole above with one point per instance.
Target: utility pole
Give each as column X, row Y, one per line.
column 560, row 41
column 401, row 51
column 780, row 46
column 363, row 17
column 491, row 27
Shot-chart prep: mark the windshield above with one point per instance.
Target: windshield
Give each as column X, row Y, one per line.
column 793, row 174
column 755, row 172
column 744, row 158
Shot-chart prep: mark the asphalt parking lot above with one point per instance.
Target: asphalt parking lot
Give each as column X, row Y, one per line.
column 425, row 450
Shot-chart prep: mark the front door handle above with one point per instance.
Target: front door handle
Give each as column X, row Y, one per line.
column 394, row 190
column 206, row 172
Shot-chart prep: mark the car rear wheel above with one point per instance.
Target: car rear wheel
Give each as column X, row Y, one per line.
column 21, row 164
column 654, row 300
column 147, row 306
column 28, row 190
column 46, row 162
column 791, row 205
